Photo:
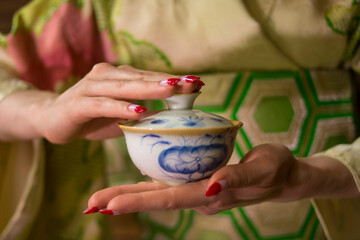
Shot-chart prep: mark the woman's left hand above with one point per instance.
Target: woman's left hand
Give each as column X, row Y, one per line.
column 269, row 172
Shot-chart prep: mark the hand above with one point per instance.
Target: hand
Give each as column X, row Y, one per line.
column 268, row 172
column 91, row 108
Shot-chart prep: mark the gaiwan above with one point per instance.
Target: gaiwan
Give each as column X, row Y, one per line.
column 181, row 144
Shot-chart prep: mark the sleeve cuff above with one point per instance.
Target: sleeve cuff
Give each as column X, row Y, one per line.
column 10, row 84
column 349, row 155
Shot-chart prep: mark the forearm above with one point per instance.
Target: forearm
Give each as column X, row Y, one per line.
column 325, row 177
column 22, row 114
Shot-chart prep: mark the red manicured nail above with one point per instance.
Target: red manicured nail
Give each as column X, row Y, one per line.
column 170, row 82
column 107, row 212
column 137, row 108
column 189, row 78
column 200, row 83
column 91, row 210
column 214, row 189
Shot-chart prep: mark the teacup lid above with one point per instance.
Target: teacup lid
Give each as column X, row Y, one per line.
column 181, row 115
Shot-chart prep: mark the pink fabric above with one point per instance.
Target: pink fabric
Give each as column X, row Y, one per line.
column 69, row 45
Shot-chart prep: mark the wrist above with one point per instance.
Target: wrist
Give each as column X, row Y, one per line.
column 22, row 114
column 41, row 107
column 326, row 177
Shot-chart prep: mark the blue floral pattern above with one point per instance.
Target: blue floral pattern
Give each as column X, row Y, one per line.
column 188, row 158
column 189, row 121
column 192, row 121
column 159, row 121
column 217, row 120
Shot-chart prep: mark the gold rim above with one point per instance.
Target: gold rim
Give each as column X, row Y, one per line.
column 187, row 131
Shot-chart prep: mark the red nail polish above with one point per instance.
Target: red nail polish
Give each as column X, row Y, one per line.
column 190, row 78
column 200, row 83
column 91, row 210
column 140, row 109
column 214, row 189
column 170, row 81
column 107, row 212
column 137, row 108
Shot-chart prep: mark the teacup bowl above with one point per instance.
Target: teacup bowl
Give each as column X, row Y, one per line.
column 177, row 156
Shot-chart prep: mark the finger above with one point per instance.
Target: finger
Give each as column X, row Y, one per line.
column 101, row 128
column 218, row 206
column 146, row 74
column 105, row 70
column 234, row 176
column 129, row 89
column 136, row 89
column 187, row 87
column 188, row 84
column 157, row 76
column 165, row 199
column 101, row 198
column 104, row 128
column 97, row 107
column 199, row 85
column 126, row 72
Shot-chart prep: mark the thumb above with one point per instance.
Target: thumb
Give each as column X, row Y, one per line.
column 234, row 176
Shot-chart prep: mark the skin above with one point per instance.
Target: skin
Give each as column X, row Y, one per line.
column 90, row 109
column 269, row 172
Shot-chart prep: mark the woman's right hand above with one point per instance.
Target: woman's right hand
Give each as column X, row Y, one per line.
column 267, row 173
column 92, row 107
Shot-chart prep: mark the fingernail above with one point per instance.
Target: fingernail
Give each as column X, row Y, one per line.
column 189, row 78
column 137, row 108
column 200, row 83
column 170, row 82
column 109, row 212
column 215, row 188
column 91, row 210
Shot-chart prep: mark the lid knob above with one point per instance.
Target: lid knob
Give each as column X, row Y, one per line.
column 181, row 101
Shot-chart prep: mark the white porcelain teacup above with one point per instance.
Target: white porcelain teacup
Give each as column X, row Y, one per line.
column 180, row 145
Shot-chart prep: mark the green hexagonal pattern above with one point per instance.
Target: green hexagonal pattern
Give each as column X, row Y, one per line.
column 274, row 114
column 274, row 108
column 334, row 140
